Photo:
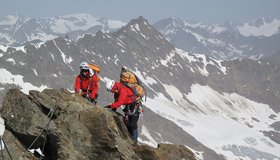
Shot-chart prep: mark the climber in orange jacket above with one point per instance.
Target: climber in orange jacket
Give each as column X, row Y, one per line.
column 125, row 96
column 86, row 85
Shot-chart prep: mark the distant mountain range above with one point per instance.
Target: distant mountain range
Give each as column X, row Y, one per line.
column 220, row 109
column 259, row 38
column 18, row 29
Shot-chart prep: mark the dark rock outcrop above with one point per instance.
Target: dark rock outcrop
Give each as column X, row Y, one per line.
column 76, row 129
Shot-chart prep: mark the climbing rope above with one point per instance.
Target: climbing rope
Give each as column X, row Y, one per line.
column 45, row 130
column 2, row 153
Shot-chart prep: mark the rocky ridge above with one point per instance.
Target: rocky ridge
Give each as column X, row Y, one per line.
column 77, row 129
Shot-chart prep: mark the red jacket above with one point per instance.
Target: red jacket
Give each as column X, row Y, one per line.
column 123, row 97
column 87, row 83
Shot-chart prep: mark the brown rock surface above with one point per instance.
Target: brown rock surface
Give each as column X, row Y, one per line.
column 77, row 129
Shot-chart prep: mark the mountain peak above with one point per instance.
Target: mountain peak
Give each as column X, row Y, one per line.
column 171, row 22
column 140, row 31
column 176, row 20
column 138, row 25
column 139, row 20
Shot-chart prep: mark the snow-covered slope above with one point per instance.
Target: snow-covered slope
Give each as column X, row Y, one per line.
column 230, row 124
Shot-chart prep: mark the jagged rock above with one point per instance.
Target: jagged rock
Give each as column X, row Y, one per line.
column 77, row 129
column 171, row 152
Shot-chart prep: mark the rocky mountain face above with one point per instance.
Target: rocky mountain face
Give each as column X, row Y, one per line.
column 76, row 129
column 193, row 100
column 18, row 29
column 259, row 38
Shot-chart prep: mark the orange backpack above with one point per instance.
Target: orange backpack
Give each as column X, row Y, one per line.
column 96, row 68
column 130, row 80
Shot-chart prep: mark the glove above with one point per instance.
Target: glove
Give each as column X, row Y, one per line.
column 93, row 101
column 108, row 106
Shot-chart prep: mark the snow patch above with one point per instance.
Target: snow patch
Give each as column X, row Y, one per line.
column 65, row 59
column 146, row 133
column 22, row 63
column 267, row 29
column 202, row 59
column 218, row 29
column 8, row 78
column 38, row 45
column 35, row 72
column 169, row 59
column 2, row 127
column 20, row 48
column 114, row 24
column 11, row 60
column 4, row 48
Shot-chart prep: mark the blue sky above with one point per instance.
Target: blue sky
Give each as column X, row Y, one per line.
column 214, row 11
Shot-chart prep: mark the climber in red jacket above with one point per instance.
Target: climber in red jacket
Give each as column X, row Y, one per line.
column 86, row 85
column 125, row 96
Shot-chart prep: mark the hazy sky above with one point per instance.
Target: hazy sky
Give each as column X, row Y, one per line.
column 199, row 10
